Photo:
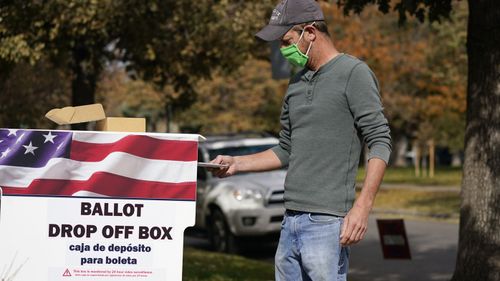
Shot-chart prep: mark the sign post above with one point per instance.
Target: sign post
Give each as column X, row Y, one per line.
column 393, row 238
column 95, row 205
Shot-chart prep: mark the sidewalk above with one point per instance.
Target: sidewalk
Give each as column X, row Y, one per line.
column 433, row 247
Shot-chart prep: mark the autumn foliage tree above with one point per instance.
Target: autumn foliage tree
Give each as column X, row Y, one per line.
column 405, row 59
column 124, row 96
column 421, row 69
column 247, row 100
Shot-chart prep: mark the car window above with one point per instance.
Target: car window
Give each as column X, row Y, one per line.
column 239, row 150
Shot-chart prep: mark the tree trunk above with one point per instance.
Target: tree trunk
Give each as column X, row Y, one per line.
column 83, row 86
column 168, row 115
column 416, row 160
column 432, row 157
column 479, row 240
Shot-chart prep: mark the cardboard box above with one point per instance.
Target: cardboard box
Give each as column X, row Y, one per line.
column 122, row 124
column 95, row 112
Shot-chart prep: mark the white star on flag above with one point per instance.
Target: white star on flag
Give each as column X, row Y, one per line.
column 49, row 137
column 1, row 141
column 5, row 153
column 30, row 149
column 19, row 138
column 12, row 132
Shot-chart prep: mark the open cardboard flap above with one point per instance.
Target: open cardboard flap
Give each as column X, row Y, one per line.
column 95, row 112
column 77, row 114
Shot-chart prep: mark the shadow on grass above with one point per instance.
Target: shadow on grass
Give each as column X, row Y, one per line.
column 252, row 247
column 253, row 262
column 204, row 265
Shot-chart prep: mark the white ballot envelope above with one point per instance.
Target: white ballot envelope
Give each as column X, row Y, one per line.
column 211, row 165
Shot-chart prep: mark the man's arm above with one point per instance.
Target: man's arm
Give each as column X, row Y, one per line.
column 363, row 96
column 356, row 221
column 270, row 159
column 263, row 161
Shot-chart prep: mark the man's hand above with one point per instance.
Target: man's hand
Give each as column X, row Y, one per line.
column 224, row 172
column 356, row 221
column 354, row 226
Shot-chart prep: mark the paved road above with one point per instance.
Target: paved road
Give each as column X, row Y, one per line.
column 433, row 246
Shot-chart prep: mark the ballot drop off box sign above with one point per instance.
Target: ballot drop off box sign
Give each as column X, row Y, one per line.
column 79, row 205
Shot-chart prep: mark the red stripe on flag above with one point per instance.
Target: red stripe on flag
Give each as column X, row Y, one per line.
column 109, row 185
column 142, row 146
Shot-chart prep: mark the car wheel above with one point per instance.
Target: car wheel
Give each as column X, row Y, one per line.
column 221, row 237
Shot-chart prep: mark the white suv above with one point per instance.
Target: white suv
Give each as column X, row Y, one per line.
column 247, row 204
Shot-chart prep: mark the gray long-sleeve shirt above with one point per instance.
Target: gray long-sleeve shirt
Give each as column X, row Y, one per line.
column 326, row 117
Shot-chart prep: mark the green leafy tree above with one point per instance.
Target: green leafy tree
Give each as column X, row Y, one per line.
column 29, row 91
column 169, row 42
column 479, row 239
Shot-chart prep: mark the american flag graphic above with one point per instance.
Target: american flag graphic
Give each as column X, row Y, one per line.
column 98, row 164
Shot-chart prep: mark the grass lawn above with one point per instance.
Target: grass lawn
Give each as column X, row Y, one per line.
column 210, row 266
column 421, row 203
column 444, row 176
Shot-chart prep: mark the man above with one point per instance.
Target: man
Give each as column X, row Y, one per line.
column 330, row 109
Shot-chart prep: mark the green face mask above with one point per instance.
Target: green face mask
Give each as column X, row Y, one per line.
column 293, row 54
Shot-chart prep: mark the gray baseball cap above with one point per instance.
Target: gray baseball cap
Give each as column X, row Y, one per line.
column 287, row 14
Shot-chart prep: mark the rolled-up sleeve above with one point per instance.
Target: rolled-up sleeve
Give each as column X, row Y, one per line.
column 363, row 96
column 282, row 150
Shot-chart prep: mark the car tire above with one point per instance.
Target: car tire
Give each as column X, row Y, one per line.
column 221, row 237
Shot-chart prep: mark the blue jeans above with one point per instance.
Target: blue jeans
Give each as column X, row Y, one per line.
column 309, row 248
